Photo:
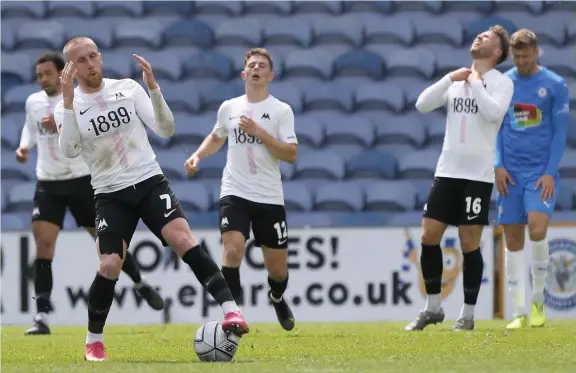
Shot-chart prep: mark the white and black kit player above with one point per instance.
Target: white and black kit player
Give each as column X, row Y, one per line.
column 476, row 100
column 104, row 121
column 62, row 184
column 260, row 132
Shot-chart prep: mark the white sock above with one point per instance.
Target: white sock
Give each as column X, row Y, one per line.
column 467, row 311
column 539, row 268
column 516, row 277
column 229, row 306
column 433, row 302
column 93, row 337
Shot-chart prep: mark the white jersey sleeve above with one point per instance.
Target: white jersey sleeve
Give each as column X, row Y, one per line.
column 434, row 96
column 69, row 135
column 493, row 106
column 220, row 129
column 286, row 127
column 153, row 111
column 28, row 136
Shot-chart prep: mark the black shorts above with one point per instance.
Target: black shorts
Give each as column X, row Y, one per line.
column 151, row 200
column 459, row 201
column 52, row 198
column 268, row 221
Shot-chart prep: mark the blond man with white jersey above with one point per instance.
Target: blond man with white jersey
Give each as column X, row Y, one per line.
column 259, row 129
column 476, row 99
column 105, row 121
column 63, row 183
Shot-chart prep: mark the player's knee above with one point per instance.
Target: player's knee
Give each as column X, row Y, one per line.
column 112, row 248
column 44, row 247
column 432, row 231
column 514, row 237
column 277, row 271
column 469, row 240
column 110, row 266
column 537, row 226
column 233, row 253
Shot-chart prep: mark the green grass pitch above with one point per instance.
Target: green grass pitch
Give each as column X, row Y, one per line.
column 358, row 348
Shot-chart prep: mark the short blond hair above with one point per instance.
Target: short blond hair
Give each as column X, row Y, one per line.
column 74, row 41
column 523, row 38
column 259, row 52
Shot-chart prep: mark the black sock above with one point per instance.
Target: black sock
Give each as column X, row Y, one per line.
column 232, row 277
column 277, row 287
column 43, row 284
column 100, row 297
column 131, row 268
column 208, row 273
column 473, row 270
column 432, row 263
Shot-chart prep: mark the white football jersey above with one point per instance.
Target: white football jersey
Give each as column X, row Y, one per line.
column 113, row 138
column 51, row 163
column 251, row 171
column 474, row 115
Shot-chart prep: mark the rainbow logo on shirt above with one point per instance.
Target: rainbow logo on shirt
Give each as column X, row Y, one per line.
column 525, row 116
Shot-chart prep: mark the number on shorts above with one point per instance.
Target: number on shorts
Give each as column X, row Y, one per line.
column 473, row 206
column 281, row 230
column 168, row 200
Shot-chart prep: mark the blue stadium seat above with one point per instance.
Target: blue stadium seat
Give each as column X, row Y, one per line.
column 85, row 9
column 439, row 30
column 571, row 135
column 308, row 63
column 309, row 219
column 193, row 195
column 158, row 8
column 205, row 220
column 346, row 132
column 422, row 188
column 211, row 167
column 345, row 151
column 208, row 64
column 320, row 165
column 236, row 54
column 191, row 130
column 16, row 221
column 339, row 197
column 566, row 199
column 12, row 171
column 401, row 130
column 397, row 29
column 182, row 96
column 16, row 67
column 139, row 33
column 120, row 8
column 92, row 28
column 412, row 62
column 287, row 170
column 380, row 96
column 327, row 7
column 360, row 63
column 571, row 30
column 567, row 6
column 268, row 7
column 288, row 93
column 329, row 96
column 189, row 32
column 481, row 25
column 287, row 31
column 484, row 7
column 241, row 31
column 382, row 7
column 398, row 150
column 567, row 166
column 436, row 131
column 391, row 196
column 406, row 219
column 172, row 163
column 213, row 98
column 310, row 132
column 535, row 7
column 341, row 30
column 363, row 219
column 8, row 38
column 561, row 60
column 11, row 135
column 297, row 197
column 41, row 34
column 449, row 59
column 229, row 8
column 15, row 99
column 23, row 9
column 117, row 64
column 372, row 164
column 413, row 89
column 418, row 165
column 164, row 68
column 21, row 198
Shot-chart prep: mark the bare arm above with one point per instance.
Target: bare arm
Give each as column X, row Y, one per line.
column 154, row 111
column 211, row 144
column 434, row 96
column 286, row 147
column 69, row 140
column 494, row 106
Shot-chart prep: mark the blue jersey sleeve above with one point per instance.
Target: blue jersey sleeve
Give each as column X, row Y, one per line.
column 499, row 148
column 560, row 117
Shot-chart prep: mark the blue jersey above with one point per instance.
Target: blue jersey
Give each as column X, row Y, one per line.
column 532, row 137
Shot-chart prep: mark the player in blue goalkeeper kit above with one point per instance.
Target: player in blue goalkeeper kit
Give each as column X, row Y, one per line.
column 530, row 144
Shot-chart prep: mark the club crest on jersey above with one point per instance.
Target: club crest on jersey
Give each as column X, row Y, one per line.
column 265, row 116
column 542, row 92
column 119, row 95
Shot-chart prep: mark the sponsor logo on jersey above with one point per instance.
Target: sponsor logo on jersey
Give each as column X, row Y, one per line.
column 525, row 116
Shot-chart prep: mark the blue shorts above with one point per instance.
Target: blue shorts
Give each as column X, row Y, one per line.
column 522, row 198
